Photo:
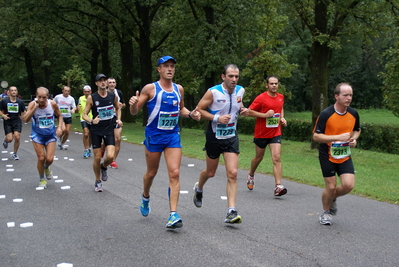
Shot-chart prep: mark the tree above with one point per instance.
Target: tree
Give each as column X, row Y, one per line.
column 391, row 81
column 327, row 21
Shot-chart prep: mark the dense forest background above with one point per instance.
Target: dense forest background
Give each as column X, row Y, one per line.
column 311, row 45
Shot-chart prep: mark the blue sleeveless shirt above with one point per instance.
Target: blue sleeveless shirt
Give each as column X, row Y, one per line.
column 163, row 111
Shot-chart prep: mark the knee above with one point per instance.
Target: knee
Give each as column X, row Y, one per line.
column 258, row 158
column 40, row 158
column 210, row 173
column 174, row 174
column 150, row 175
column 331, row 188
column 16, row 138
column 276, row 160
column 348, row 186
column 232, row 175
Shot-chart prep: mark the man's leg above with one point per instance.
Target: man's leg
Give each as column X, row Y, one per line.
column 50, row 152
column 96, row 163
column 210, row 171
column 109, row 155
column 275, row 149
column 259, row 153
column 66, row 133
column 17, row 141
column 118, row 135
column 86, row 136
column 39, row 149
column 152, row 160
column 8, row 137
column 231, row 160
column 347, row 184
column 173, row 160
column 329, row 192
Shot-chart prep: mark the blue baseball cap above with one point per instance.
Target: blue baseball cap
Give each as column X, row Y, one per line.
column 164, row 59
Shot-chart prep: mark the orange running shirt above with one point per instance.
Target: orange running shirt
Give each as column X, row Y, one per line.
column 330, row 122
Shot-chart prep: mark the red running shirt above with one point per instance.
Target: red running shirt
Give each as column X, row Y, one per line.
column 264, row 103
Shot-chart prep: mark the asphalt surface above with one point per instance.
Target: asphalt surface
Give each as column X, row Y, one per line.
column 71, row 223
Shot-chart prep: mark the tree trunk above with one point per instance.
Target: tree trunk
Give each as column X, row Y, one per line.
column 105, row 62
column 94, row 67
column 29, row 70
column 126, row 84
column 320, row 56
column 145, row 53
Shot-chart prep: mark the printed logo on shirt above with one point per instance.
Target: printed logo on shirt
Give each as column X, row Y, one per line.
column 174, row 102
column 239, row 99
column 221, row 100
column 97, row 103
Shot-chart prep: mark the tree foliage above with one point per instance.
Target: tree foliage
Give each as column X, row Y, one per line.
column 311, row 45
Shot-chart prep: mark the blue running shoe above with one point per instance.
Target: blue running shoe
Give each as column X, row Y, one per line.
column 86, row 154
column 174, row 221
column 145, row 208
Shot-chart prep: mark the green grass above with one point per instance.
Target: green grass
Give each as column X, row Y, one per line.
column 377, row 116
column 376, row 173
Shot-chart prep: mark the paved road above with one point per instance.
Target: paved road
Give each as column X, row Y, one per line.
column 85, row 228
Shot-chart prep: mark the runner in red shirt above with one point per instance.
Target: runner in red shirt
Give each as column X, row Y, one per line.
column 269, row 112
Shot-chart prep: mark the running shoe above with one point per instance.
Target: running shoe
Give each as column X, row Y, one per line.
column 86, row 154
column 145, row 208
column 43, row 183
column 64, row 147
column 48, row 173
column 5, row 144
column 325, row 218
column 233, row 217
column 250, row 182
column 174, row 221
column 197, row 196
column 89, row 154
column 104, row 173
column 114, row 165
column 14, row 156
column 333, row 208
column 280, row 190
column 98, row 186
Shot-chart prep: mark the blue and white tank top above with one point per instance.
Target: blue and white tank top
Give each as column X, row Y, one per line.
column 225, row 103
column 163, row 111
column 43, row 120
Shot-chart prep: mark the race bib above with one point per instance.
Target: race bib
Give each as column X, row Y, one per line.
column 106, row 113
column 225, row 131
column 64, row 110
column 12, row 107
column 168, row 120
column 273, row 122
column 340, row 150
column 45, row 121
